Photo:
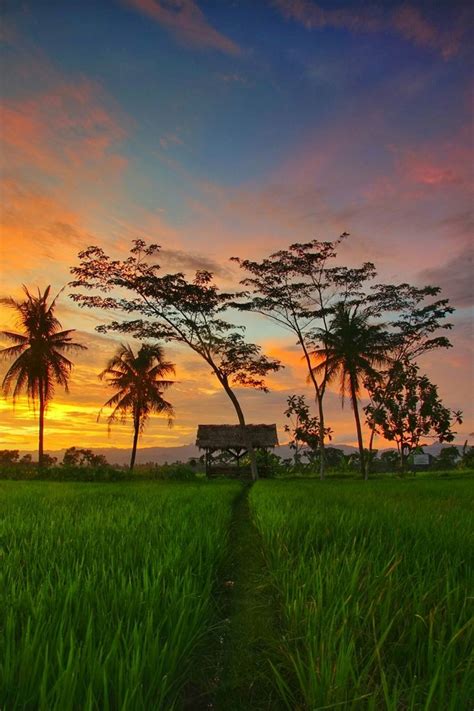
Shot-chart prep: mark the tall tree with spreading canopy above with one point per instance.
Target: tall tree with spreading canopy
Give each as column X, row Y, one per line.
column 297, row 289
column 173, row 308
column 138, row 380
column 350, row 350
column 39, row 350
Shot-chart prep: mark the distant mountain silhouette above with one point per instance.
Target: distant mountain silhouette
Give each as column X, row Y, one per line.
column 160, row 455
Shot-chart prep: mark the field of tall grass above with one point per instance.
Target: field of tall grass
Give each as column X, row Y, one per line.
column 105, row 590
column 111, row 595
column 375, row 584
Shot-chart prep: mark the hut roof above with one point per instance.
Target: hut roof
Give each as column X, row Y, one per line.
column 225, row 436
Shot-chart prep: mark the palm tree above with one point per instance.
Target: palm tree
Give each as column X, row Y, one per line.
column 40, row 363
column 139, row 385
column 349, row 350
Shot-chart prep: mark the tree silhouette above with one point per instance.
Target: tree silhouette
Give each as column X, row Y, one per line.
column 349, row 350
column 414, row 321
column 304, row 429
column 405, row 407
column 39, row 351
column 138, row 380
column 297, row 289
column 173, row 308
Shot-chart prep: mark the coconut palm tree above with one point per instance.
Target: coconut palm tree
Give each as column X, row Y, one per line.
column 350, row 350
column 139, row 385
column 40, row 361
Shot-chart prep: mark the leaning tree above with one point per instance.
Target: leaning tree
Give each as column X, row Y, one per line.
column 39, row 350
column 171, row 307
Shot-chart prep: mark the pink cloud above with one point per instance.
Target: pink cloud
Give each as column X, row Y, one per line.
column 184, row 19
column 405, row 20
column 422, row 170
column 65, row 132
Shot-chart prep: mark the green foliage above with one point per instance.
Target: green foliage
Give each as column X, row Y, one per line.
column 374, row 585
column 304, row 429
column 167, row 472
column 269, row 464
column 9, row 456
column 48, row 461
column 390, row 459
column 77, row 457
column 467, row 460
column 106, row 591
column 405, row 408
column 99, row 472
column 448, row 458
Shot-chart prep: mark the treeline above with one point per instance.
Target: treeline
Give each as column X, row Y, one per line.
column 349, row 328
column 79, row 464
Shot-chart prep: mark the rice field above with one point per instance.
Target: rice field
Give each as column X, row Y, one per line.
column 105, row 591
column 376, row 588
column 110, row 593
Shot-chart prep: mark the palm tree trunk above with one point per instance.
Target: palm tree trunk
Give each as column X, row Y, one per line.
column 322, row 453
column 371, row 445
column 41, row 425
column 355, row 407
column 136, row 427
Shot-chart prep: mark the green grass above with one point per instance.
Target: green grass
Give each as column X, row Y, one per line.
column 375, row 583
column 246, row 680
column 299, row 594
column 106, row 591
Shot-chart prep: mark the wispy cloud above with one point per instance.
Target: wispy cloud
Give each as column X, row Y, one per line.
column 184, row 19
column 39, row 231
column 235, row 78
column 187, row 261
column 170, row 139
column 454, row 277
column 405, row 20
column 64, row 131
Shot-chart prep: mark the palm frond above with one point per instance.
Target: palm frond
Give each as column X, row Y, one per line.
column 139, row 384
column 39, row 363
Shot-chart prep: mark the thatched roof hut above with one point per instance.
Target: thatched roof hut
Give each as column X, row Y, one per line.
column 215, row 437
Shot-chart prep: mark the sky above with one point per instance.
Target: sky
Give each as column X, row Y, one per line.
column 232, row 128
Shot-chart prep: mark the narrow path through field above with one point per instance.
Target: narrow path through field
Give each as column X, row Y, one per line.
column 246, row 678
column 237, row 671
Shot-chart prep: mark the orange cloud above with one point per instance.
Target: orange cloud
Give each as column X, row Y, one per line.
column 37, row 232
column 61, row 162
column 64, row 132
column 184, row 19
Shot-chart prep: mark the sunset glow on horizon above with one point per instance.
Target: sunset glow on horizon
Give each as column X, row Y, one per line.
column 220, row 129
